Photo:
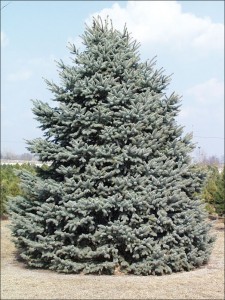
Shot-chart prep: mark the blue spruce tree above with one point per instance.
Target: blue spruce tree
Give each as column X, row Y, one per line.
column 120, row 193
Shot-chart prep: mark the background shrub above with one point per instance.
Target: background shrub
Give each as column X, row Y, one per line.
column 10, row 182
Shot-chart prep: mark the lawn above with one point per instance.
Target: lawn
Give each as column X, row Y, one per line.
column 20, row 282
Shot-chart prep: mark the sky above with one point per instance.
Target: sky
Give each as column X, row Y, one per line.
column 186, row 36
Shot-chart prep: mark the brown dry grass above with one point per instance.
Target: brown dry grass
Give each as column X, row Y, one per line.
column 19, row 282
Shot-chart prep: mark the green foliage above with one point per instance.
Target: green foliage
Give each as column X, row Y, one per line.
column 120, row 192
column 10, row 183
column 213, row 192
column 219, row 196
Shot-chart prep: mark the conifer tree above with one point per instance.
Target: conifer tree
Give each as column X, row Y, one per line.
column 219, row 194
column 119, row 193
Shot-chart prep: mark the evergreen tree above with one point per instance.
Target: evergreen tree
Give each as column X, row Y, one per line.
column 210, row 187
column 213, row 192
column 219, row 195
column 119, row 193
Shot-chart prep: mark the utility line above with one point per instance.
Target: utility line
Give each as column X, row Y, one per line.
column 209, row 137
column 16, row 142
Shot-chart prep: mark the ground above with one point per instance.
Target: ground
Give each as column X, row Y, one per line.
column 19, row 282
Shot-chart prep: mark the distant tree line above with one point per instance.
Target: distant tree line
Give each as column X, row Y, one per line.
column 204, row 159
column 13, row 156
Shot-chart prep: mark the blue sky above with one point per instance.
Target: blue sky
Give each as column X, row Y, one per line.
column 186, row 36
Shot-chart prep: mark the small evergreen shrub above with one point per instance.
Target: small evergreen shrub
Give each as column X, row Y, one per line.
column 213, row 192
column 10, row 183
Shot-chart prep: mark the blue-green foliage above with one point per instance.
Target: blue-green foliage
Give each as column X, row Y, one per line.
column 119, row 193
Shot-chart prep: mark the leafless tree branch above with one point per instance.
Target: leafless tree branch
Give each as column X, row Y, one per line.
column 6, row 5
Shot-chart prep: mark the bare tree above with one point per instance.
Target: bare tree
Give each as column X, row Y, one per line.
column 5, row 5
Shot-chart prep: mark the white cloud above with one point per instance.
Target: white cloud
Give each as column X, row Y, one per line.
column 4, row 39
column 185, row 112
column 164, row 22
column 210, row 92
column 202, row 108
column 21, row 75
